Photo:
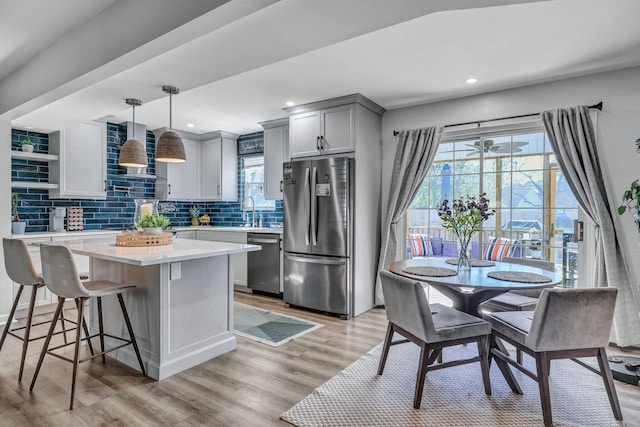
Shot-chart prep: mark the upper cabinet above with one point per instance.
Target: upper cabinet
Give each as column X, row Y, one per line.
column 220, row 167
column 325, row 131
column 80, row 172
column 179, row 181
column 276, row 139
column 210, row 172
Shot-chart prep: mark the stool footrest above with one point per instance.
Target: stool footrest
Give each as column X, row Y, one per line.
column 125, row 343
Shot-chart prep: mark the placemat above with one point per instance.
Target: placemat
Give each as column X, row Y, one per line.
column 519, row 276
column 474, row 262
column 430, row 271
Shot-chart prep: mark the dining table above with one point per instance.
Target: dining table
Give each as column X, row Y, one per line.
column 468, row 289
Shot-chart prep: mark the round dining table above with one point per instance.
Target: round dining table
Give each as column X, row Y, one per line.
column 467, row 290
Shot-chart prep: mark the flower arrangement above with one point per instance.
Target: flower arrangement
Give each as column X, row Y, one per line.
column 466, row 215
column 464, row 218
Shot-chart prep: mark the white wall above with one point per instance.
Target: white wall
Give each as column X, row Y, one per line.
column 6, row 287
column 618, row 128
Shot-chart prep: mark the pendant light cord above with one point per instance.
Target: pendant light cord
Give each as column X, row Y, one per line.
column 170, row 110
column 134, row 121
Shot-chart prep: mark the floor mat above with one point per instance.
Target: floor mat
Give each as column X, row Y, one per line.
column 269, row 327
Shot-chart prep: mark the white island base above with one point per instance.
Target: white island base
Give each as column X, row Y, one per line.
column 182, row 308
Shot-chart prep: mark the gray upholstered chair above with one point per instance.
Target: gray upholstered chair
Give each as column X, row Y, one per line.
column 518, row 300
column 21, row 270
column 431, row 327
column 567, row 323
column 61, row 277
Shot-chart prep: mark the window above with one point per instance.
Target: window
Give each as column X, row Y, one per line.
column 253, row 176
column 533, row 203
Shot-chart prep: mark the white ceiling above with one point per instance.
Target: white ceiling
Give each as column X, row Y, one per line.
column 238, row 73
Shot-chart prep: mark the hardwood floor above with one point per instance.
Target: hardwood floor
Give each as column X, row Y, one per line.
column 250, row 386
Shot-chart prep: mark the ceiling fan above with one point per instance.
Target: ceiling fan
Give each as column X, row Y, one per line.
column 490, row 146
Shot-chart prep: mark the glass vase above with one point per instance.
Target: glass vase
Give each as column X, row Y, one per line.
column 464, row 254
column 144, row 207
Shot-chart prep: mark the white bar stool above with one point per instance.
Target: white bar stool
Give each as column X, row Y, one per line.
column 21, row 270
column 61, row 277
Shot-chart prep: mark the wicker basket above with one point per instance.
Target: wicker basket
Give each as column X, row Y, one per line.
column 140, row 240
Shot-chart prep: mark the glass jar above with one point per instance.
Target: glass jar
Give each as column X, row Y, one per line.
column 144, row 207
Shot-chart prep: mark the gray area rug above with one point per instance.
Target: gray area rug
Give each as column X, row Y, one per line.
column 268, row 327
column 452, row 396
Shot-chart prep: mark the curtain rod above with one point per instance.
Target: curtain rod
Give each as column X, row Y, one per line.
column 597, row 106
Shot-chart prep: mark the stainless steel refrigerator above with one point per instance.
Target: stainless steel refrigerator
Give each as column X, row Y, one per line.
column 317, row 238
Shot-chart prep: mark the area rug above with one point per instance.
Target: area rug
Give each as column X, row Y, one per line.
column 452, row 396
column 269, row 327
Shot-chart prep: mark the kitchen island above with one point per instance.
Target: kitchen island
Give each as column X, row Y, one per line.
column 182, row 308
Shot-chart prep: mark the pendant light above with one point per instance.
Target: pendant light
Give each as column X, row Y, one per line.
column 133, row 152
column 169, row 147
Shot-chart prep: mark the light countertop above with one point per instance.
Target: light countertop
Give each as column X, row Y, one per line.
column 179, row 250
column 105, row 233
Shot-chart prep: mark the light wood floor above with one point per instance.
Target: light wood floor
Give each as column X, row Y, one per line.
column 250, row 386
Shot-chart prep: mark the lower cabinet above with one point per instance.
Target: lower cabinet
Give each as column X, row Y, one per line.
column 186, row 235
column 239, row 260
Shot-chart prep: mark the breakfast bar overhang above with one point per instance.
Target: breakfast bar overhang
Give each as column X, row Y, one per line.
column 182, row 308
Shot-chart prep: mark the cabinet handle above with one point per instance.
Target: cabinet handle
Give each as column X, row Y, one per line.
column 169, row 188
column 105, row 185
column 281, row 186
column 322, row 142
column 317, row 142
column 218, row 186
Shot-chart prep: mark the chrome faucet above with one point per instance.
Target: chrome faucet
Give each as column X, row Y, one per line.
column 253, row 211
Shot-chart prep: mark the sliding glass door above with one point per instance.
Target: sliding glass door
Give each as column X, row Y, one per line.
column 534, row 206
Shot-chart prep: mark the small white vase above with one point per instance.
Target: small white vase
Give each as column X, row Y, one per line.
column 27, row 148
column 18, row 227
column 152, row 230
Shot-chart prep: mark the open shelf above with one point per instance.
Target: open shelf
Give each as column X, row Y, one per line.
column 41, row 157
column 37, row 185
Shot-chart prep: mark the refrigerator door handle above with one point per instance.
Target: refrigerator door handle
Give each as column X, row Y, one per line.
column 314, row 208
column 307, row 197
column 341, row 261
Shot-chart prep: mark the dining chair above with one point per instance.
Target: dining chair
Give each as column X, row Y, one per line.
column 61, row 277
column 20, row 269
column 431, row 327
column 518, row 300
column 567, row 323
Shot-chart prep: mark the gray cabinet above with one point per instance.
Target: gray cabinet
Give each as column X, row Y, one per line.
column 239, row 260
column 80, row 171
column 276, row 139
column 325, row 131
column 179, row 181
column 219, row 180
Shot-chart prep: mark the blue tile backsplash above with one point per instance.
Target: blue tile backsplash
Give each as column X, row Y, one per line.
column 118, row 209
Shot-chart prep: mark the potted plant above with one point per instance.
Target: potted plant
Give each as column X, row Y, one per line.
column 194, row 211
column 631, row 201
column 152, row 224
column 17, row 226
column 27, row 145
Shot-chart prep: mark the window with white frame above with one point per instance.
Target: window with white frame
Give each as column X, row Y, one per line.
column 253, row 173
column 533, row 203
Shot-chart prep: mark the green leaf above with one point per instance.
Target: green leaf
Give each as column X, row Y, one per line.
column 621, row 209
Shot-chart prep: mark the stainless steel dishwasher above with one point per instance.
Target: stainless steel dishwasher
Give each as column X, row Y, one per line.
column 264, row 266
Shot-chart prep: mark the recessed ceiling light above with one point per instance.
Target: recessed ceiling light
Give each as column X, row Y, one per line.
column 290, row 103
column 472, row 80
column 190, row 125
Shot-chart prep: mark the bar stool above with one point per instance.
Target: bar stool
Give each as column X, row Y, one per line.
column 21, row 270
column 61, row 277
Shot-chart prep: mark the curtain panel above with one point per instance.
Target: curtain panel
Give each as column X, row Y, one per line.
column 573, row 140
column 414, row 154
